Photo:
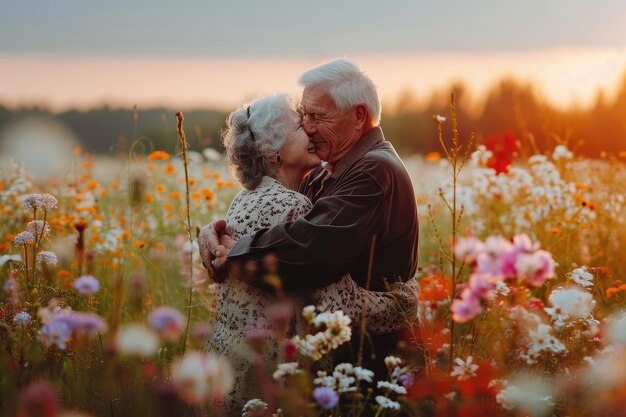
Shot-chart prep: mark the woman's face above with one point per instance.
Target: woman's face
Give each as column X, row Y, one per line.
column 298, row 152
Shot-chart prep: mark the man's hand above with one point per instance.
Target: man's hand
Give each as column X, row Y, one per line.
column 211, row 242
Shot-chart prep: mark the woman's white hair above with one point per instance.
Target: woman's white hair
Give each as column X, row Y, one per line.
column 254, row 134
column 346, row 84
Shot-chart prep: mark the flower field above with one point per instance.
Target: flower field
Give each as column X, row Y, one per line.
column 105, row 305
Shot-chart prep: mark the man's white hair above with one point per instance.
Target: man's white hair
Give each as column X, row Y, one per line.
column 346, row 84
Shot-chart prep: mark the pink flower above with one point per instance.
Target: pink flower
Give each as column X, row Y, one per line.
column 468, row 248
column 480, row 285
column 168, row 322
column 465, row 309
column 535, row 268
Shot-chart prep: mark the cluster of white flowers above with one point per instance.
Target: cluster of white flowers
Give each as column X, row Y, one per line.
column 254, row 408
column 47, row 257
column 333, row 329
column 198, row 377
column 541, row 340
column 570, row 305
column 344, row 377
column 385, row 402
column 582, row 277
column 284, row 369
column 526, row 393
column 523, row 197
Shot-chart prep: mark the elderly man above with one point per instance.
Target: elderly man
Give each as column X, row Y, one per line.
column 364, row 218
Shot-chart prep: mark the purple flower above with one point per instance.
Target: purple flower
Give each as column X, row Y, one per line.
column 326, row 397
column 56, row 332
column 21, row 319
column 87, row 285
column 168, row 322
column 82, row 323
column 407, row 380
column 480, row 285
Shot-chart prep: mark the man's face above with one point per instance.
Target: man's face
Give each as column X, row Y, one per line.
column 332, row 131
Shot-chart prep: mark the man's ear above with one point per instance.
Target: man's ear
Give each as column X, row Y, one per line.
column 362, row 115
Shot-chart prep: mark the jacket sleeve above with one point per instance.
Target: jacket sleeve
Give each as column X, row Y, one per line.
column 318, row 248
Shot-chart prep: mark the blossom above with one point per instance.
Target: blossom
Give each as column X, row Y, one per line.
column 464, row 369
column 168, row 322
column 325, row 397
column 439, row 118
column 385, row 402
column 284, row 369
column 582, row 277
column 569, row 303
column 465, row 309
column 503, row 148
column 468, row 248
column 561, row 152
column 38, row 228
column 55, row 332
column 254, row 408
column 391, row 386
column 616, row 329
column 198, row 377
column 392, row 362
column 24, row 238
column 22, row 318
column 136, row 340
column 158, row 156
column 535, row 267
column 526, row 393
column 542, row 340
column 44, row 202
column 333, row 331
column 47, row 257
column 86, row 285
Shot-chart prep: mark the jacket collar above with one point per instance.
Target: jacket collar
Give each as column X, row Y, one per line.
column 371, row 138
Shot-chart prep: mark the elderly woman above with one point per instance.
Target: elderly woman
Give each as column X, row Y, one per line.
column 270, row 154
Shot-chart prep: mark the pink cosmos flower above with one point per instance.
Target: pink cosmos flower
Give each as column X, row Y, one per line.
column 465, row 309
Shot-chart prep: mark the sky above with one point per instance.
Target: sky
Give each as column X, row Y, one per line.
column 82, row 53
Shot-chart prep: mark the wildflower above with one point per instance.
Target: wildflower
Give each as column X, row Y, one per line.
column 465, row 309
column 392, row 362
column 284, row 369
column 333, row 331
column 464, row 369
column 136, row 340
column 38, row 228
column 21, row 319
column 47, row 257
column 254, row 408
column 527, row 394
column 198, row 377
column 168, row 322
column 616, row 330
column 569, row 303
column 86, row 285
column 535, row 268
column 503, row 148
column 561, row 152
column 24, row 238
column 385, row 402
column 47, row 202
column 30, row 202
column 468, row 248
column 158, row 156
column 211, row 154
column 308, row 313
column 398, row 389
column 542, row 340
column 325, row 397
column 582, row 277
column 55, row 332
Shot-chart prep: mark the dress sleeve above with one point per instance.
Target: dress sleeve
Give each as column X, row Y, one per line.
column 314, row 250
column 384, row 312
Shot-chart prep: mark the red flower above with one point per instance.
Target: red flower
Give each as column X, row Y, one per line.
column 504, row 149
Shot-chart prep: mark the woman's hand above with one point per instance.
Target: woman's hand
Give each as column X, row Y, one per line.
column 212, row 250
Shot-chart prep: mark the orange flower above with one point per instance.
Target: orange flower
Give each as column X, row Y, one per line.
column 578, row 198
column 168, row 207
column 434, row 288
column 159, row 188
column 554, row 231
column 116, row 185
column 433, row 156
column 158, row 156
column 151, row 167
column 5, row 246
column 2, row 186
column 174, row 195
column 192, row 181
column 170, row 169
column 207, row 193
column 219, row 184
column 139, row 244
column 622, row 154
column 93, row 184
column 78, row 151
column 195, row 195
column 580, row 186
column 87, row 164
column 149, row 197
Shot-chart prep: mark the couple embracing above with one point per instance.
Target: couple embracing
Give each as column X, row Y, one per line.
column 329, row 201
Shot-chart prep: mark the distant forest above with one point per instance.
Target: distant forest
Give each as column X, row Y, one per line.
column 508, row 106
